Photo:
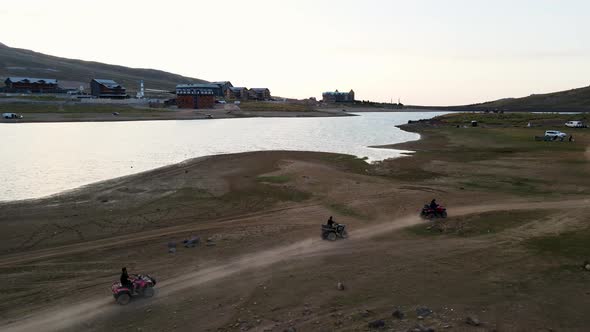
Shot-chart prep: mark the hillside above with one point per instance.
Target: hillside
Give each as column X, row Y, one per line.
column 575, row 99
column 72, row 73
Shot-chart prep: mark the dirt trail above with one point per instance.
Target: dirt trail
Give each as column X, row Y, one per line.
column 69, row 316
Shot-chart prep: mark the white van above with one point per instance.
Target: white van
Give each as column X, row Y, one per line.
column 575, row 124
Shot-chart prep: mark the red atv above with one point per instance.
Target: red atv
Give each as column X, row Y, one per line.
column 430, row 213
column 143, row 285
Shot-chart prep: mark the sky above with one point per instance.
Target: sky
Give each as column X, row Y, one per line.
column 426, row 52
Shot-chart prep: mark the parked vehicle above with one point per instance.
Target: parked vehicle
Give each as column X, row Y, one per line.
column 11, row 116
column 575, row 124
column 237, row 102
column 555, row 133
column 143, row 285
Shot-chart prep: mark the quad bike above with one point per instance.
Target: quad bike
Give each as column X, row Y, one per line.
column 430, row 213
column 143, row 285
column 334, row 232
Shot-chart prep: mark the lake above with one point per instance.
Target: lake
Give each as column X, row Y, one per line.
column 40, row 159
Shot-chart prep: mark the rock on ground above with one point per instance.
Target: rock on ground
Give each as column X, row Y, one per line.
column 377, row 324
column 472, row 320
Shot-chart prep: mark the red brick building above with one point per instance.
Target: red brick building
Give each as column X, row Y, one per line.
column 189, row 96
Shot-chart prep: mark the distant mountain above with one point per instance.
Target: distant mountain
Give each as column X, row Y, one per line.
column 73, row 73
column 575, row 100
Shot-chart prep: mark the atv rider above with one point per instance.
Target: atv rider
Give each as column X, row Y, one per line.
column 125, row 280
column 330, row 222
column 433, row 204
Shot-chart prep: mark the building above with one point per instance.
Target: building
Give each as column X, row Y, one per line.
column 216, row 88
column 31, row 85
column 190, row 96
column 107, row 89
column 224, row 85
column 237, row 93
column 259, row 94
column 338, row 97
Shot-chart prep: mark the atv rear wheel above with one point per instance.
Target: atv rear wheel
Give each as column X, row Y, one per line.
column 123, row 299
column 148, row 292
column 331, row 237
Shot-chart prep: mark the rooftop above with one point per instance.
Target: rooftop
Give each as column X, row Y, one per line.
column 108, row 83
column 31, row 80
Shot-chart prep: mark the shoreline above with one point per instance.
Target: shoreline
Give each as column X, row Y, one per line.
column 143, row 114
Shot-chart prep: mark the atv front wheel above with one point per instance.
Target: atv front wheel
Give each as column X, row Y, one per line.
column 123, row 299
column 344, row 234
column 444, row 214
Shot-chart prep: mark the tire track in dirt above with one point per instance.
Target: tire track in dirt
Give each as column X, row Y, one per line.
column 54, row 320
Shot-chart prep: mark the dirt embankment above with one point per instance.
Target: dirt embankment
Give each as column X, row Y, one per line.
column 265, row 267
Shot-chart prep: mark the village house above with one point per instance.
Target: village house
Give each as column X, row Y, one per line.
column 237, row 93
column 224, row 85
column 191, row 96
column 259, row 94
column 101, row 88
column 338, row 97
column 31, row 85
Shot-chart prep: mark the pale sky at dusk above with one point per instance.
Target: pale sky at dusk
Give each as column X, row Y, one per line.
column 423, row 51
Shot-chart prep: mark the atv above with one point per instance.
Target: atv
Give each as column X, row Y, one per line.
column 143, row 285
column 430, row 213
column 334, row 232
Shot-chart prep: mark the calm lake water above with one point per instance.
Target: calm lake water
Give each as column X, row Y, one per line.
column 40, row 159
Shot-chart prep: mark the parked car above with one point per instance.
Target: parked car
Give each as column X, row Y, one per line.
column 575, row 124
column 221, row 102
column 11, row 116
column 237, row 102
column 555, row 133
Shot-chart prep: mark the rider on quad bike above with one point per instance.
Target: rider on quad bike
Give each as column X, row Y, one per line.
column 125, row 281
column 433, row 210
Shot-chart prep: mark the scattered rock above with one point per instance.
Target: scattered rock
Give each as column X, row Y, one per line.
column 587, row 267
column 365, row 313
column 472, row 320
column 398, row 313
column 148, row 310
column 171, row 247
column 420, row 317
column 192, row 242
column 340, row 286
column 421, row 328
column 423, row 311
column 291, row 329
column 377, row 324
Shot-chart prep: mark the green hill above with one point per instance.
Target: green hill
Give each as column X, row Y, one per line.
column 72, row 73
column 575, row 99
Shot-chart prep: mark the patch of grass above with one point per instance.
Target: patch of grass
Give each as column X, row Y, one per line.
column 69, row 108
column 476, row 225
column 572, row 244
column 345, row 210
column 274, row 106
column 512, row 118
column 348, row 163
column 278, row 179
